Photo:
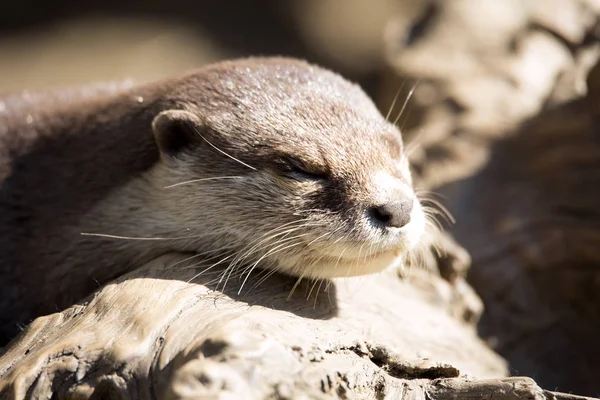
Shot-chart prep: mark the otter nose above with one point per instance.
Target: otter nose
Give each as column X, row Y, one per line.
column 395, row 214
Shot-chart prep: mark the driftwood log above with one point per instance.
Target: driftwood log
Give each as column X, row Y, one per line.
column 151, row 334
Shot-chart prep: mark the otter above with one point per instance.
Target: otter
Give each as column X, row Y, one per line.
column 271, row 163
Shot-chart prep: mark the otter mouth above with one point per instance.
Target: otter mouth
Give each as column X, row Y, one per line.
column 353, row 251
column 332, row 266
column 395, row 252
column 321, row 255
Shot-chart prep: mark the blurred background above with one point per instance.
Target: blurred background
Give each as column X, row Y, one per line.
column 501, row 123
column 66, row 42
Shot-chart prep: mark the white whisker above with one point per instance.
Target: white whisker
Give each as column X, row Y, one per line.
column 137, row 238
column 317, row 294
column 394, row 101
column 208, row 268
column 222, row 152
column 268, row 274
column 272, row 251
column 254, row 248
column 405, row 102
column 312, row 288
column 201, row 180
column 295, row 286
column 442, row 209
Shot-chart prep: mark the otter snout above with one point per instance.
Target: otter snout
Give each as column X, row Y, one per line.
column 394, row 214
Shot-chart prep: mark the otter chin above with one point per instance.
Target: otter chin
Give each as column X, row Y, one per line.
column 259, row 163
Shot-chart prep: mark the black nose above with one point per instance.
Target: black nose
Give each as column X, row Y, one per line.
column 395, row 214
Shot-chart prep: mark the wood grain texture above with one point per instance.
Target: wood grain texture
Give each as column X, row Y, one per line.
column 153, row 335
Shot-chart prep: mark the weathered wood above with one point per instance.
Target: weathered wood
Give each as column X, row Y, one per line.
column 153, row 335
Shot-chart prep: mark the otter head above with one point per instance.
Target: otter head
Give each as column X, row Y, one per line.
column 277, row 164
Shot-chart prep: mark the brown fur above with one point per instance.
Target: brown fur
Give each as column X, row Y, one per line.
column 88, row 162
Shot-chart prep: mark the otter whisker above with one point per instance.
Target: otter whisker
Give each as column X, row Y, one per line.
column 309, row 266
column 267, row 275
column 216, row 253
column 137, row 238
column 185, row 259
column 431, row 218
column 221, row 151
column 228, row 272
column 371, row 252
column 340, row 257
column 214, row 178
column 246, row 252
column 272, row 251
column 275, row 245
column 412, row 259
column 295, row 224
column 422, row 193
column 315, row 281
column 442, row 210
column 346, row 236
column 321, row 237
column 322, row 212
column 284, row 233
column 433, row 213
column 317, row 293
column 412, row 146
column 210, row 267
column 252, row 246
column 295, row 287
column 243, row 254
column 414, row 143
column 356, row 261
column 328, row 285
column 387, row 116
column 410, row 93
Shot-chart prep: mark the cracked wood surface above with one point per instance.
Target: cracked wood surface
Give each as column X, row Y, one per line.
column 153, row 335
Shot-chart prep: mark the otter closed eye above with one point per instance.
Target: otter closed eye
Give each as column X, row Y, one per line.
column 300, row 170
column 261, row 163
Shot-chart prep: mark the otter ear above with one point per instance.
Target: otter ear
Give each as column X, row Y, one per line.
column 176, row 130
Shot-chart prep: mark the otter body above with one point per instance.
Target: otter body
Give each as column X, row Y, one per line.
column 265, row 162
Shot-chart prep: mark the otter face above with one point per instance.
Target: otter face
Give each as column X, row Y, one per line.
column 292, row 168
